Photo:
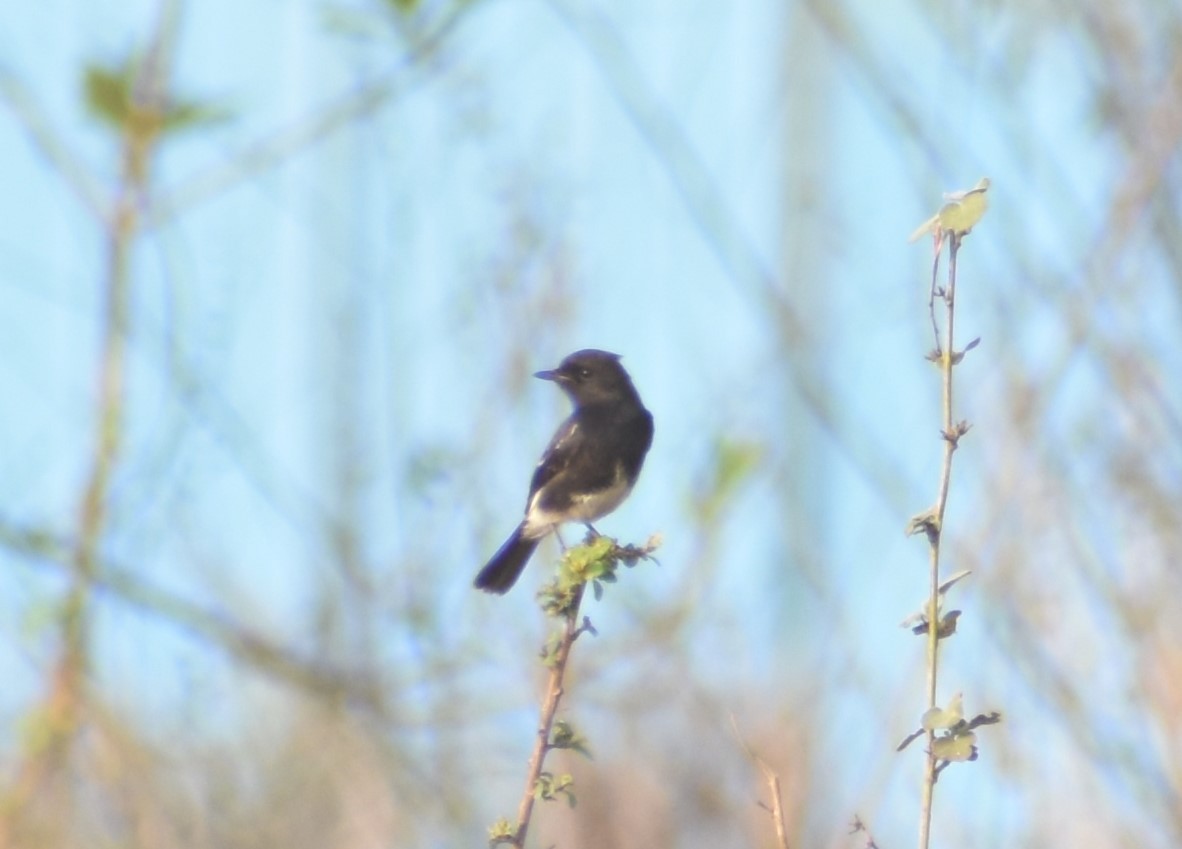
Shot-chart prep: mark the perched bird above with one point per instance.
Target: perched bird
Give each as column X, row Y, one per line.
column 589, row 467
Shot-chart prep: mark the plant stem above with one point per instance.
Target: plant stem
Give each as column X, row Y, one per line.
column 950, row 442
column 938, row 248
column 554, row 691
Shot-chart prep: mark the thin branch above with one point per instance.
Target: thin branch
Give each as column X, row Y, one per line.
column 238, row 641
column 36, row 125
column 937, row 249
column 950, row 433
column 64, row 700
column 859, row 827
column 773, row 782
column 554, row 692
column 596, row 562
column 277, row 148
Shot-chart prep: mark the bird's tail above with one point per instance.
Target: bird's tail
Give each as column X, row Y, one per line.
column 501, row 572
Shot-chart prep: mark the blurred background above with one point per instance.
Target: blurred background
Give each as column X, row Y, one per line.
column 275, row 277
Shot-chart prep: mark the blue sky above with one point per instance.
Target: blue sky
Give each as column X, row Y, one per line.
column 652, row 154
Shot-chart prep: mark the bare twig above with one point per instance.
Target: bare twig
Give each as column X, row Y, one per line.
column 859, row 827
column 937, row 248
column 773, row 782
column 280, row 145
column 33, row 121
column 950, row 433
column 238, row 640
column 64, row 700
column 777, row 811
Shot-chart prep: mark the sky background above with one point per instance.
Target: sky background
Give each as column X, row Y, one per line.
column 342, row 286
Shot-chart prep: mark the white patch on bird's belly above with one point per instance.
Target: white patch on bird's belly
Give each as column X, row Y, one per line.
column 591, row 507
column 585, row 509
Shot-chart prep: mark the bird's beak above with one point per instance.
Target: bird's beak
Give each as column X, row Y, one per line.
column 548, row 374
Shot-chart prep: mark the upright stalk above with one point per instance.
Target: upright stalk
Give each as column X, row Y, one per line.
column 946, row 360
column 554, row 692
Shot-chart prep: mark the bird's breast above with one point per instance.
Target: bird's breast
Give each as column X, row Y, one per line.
column 587, row 507
column 549, row 508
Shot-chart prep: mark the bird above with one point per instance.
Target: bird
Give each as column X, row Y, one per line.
column 590, row 465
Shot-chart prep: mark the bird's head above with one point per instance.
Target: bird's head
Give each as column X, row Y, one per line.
column 590, row 376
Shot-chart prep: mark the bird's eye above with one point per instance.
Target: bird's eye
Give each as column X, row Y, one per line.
column 584, row 373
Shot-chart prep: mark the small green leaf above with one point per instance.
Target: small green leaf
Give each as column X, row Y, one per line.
column 556, row 599
column 936, row 718
column 547, row 788
column 566, row 737
column 565, row 786
column 927, row 522
column 110, row 92
column 587, row 562
column 932, row 719
column 500, row 832
column 965, row 209
column 959, row 214
column 594, row 562
column 956, row 747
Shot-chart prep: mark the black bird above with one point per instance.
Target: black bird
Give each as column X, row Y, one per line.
column 590, row 465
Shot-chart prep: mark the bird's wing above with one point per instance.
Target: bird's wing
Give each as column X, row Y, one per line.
column 557, row 456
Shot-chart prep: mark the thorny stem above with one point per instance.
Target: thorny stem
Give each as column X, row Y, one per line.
column 945, row 351
column 554, row 691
